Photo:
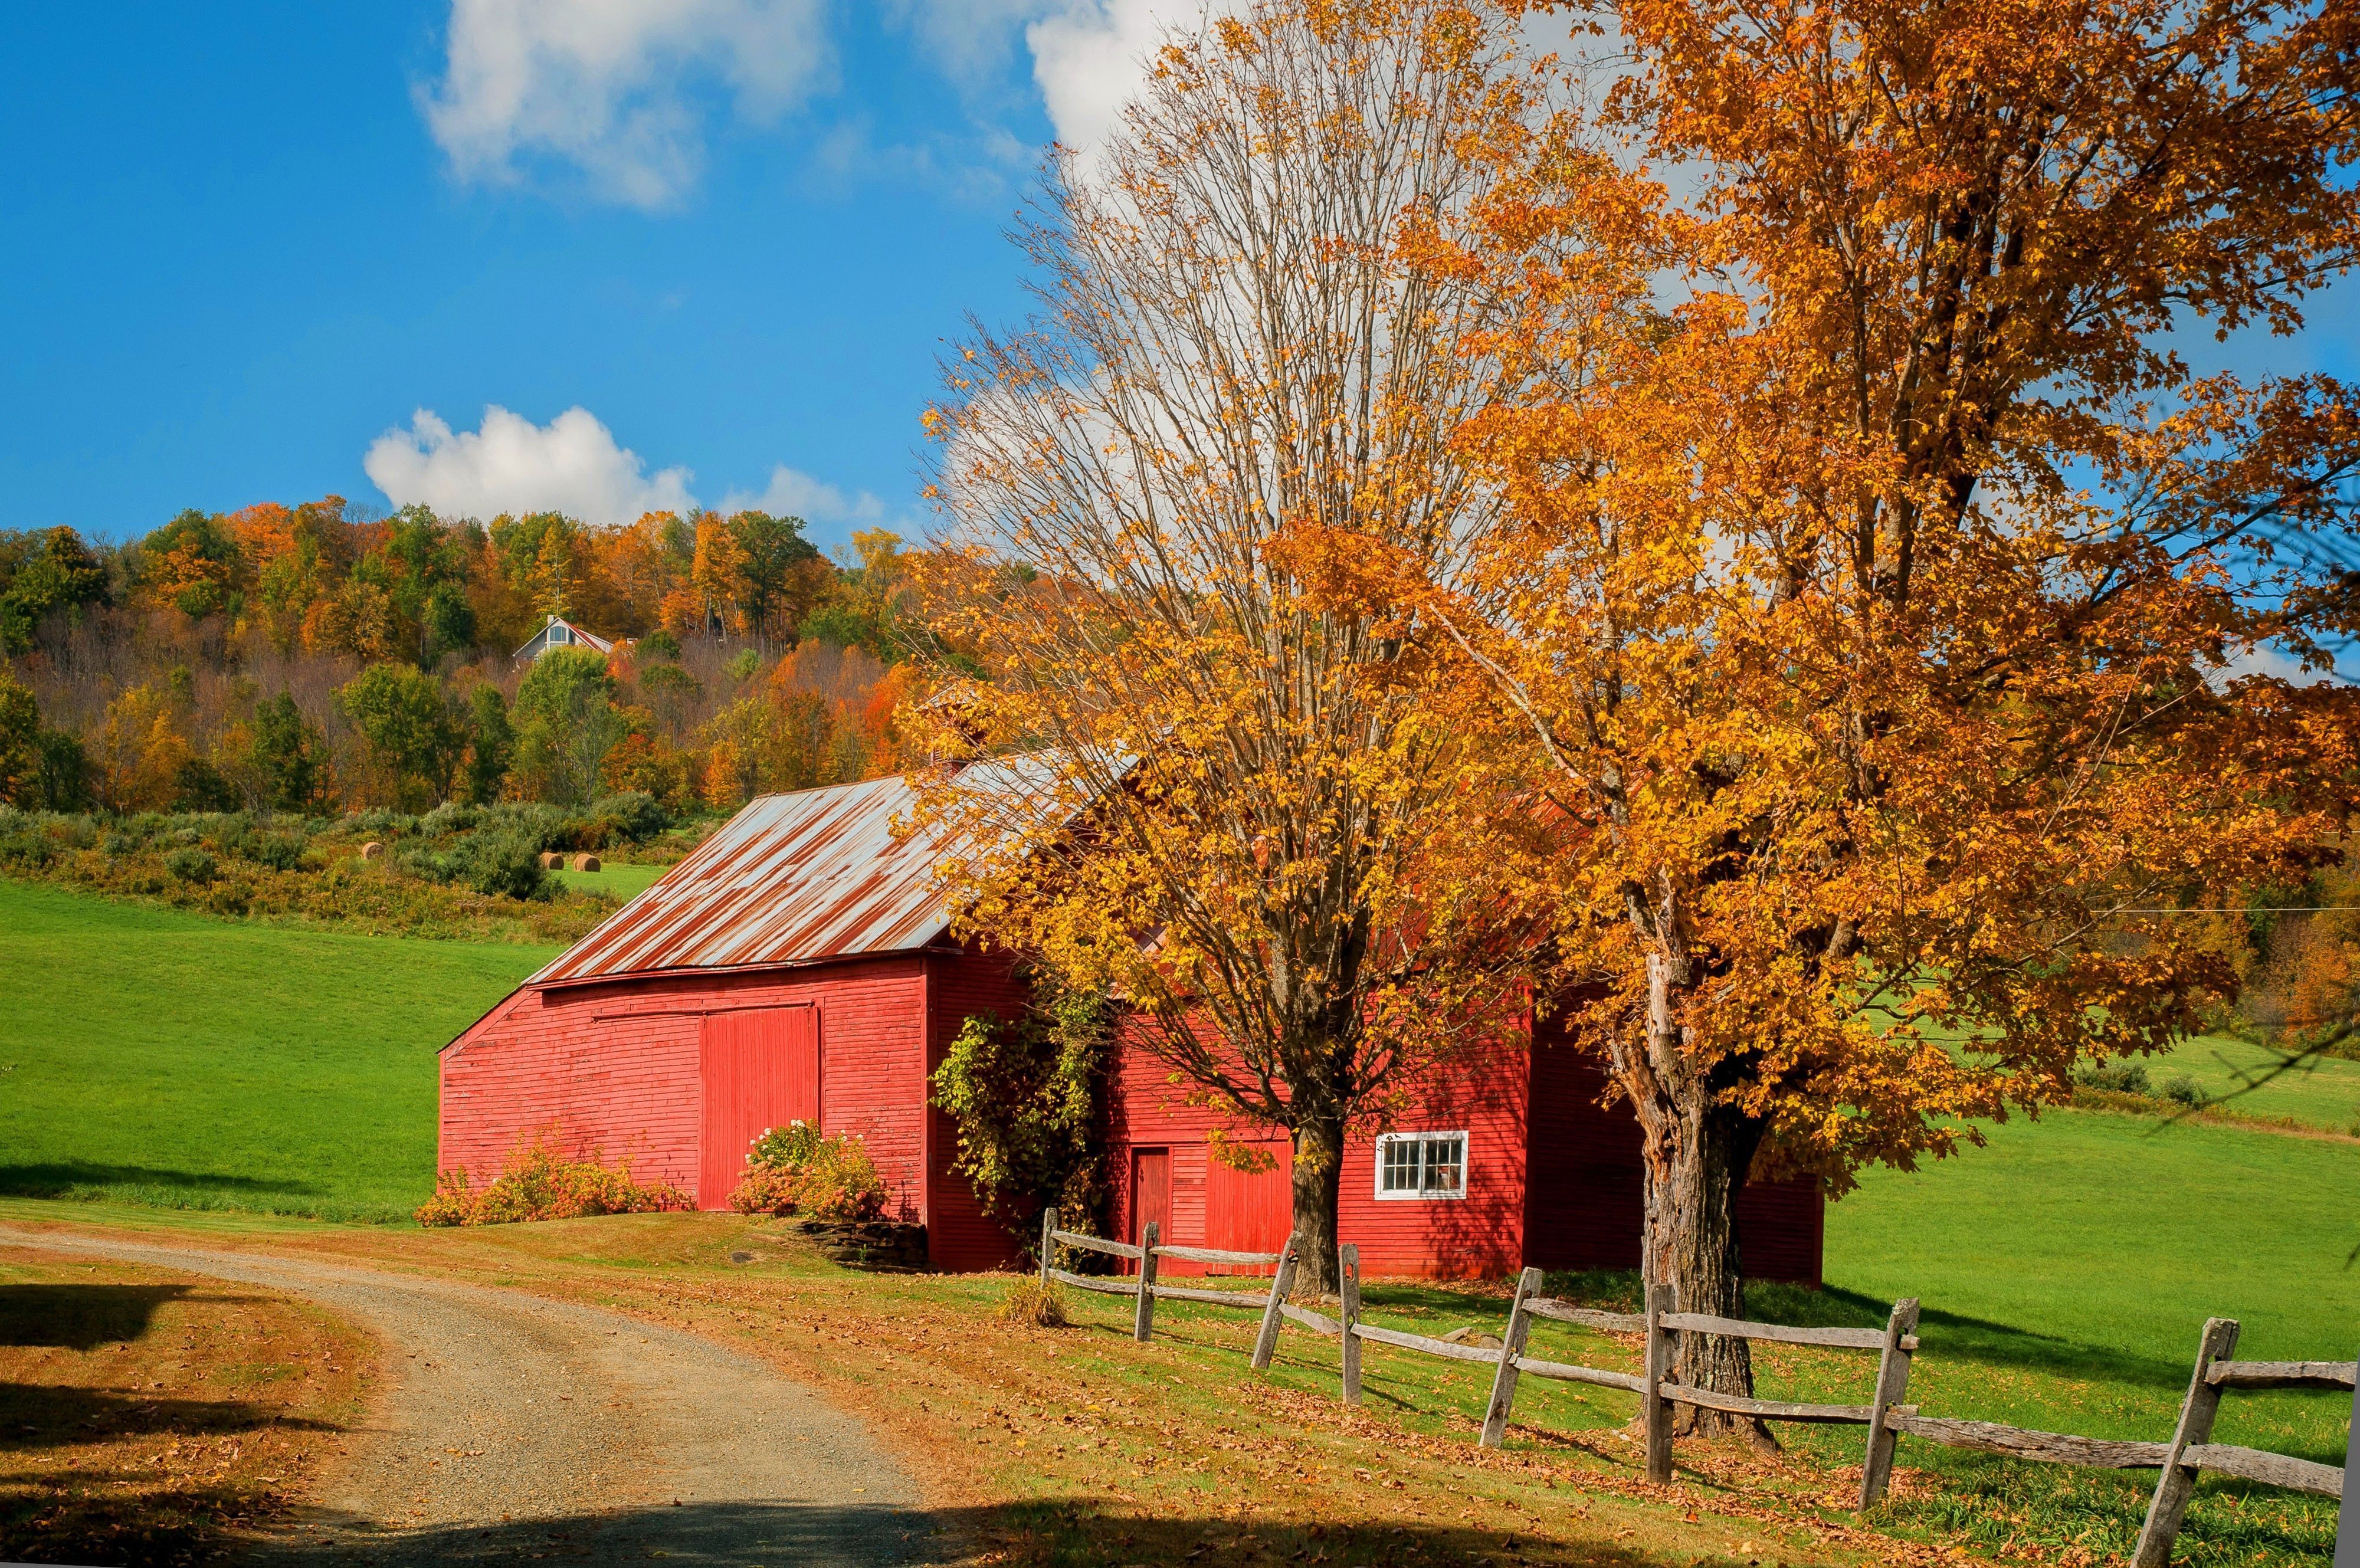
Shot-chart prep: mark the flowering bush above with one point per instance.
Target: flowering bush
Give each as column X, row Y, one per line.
column 541, row 1184
column 794, row 1169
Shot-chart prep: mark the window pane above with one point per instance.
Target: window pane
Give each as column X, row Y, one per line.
column 1401, row 1165
column 1445, row 1163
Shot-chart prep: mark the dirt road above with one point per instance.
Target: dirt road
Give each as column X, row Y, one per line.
column 515, row 1427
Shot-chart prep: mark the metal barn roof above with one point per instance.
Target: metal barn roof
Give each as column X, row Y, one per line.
column 793, row 878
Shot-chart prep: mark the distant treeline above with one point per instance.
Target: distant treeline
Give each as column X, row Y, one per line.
column 313, row 658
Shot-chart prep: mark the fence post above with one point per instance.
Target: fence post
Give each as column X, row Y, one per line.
column 1891, row 1383
column 1512, row 1345
column 1661, row 1299
column 1048, row 1243
column 2347, row 1516
column 2165, row 1510
column 1143, row 1327
column 1282, row 1285
column 1348, row 1297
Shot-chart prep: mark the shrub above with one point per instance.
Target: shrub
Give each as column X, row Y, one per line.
column 796, row 1170
column 789, row 1148
column 509, row 862
column 26, row 848
column 1027, row 1096
column 633, row 815
column 765, row 1191
column 542, row 1183
column 2181, row 1090
column 280, row 852
column 190, row 864
column 1035, row 1304
column 840, row 1184
column 2115, row 1076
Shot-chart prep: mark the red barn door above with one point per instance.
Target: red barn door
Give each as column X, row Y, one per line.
column 761, row 1070
column 1151, row 1194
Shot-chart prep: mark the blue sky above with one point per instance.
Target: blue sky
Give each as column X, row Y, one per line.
column 245, row 242
column 691, row 250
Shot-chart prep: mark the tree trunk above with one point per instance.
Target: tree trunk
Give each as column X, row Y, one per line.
column 1693, row 1180
column 1318, row 1179
column 1695, row 1153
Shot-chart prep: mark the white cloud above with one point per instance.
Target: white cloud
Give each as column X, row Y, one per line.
column 1088, row 56
column 571, row 464
column 793, row 494
column 616, row 88
column 1089, row 60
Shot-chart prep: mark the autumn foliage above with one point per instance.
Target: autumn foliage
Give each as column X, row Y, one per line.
column 1905, row 630
column 296, row 657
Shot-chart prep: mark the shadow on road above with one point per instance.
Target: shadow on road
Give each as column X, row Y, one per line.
column 1077, row 1533
column 81, row 1317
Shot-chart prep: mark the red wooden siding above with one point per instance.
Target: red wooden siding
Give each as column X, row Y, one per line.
column 617, row 1068
column 1481, row 1233
column 760, row 1070
column 1553, row 1176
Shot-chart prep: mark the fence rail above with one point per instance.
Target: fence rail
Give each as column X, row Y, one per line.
column 1887, row 1417
column 1146, row 1290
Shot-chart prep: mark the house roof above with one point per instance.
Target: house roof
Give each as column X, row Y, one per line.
column 819, row 874
column 590, row 639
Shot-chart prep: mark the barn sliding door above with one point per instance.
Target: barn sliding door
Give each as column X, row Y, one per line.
column 760, row 1069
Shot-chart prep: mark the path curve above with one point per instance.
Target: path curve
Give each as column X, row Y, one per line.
column 511, row 1426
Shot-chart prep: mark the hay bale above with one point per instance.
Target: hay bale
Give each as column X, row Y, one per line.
column 552, row 861
column 586, row 863
column 372, row 850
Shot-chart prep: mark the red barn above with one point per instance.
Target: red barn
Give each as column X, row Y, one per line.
column 799, row 965
column 1501, row 1160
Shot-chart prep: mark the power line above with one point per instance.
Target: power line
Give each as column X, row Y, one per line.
column 2242, row 910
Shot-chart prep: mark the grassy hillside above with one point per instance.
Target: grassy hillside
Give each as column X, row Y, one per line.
column 165, row 1058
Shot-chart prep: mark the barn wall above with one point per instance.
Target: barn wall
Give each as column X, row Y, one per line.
column 1585, row 1209
column 959, row 1235
column 615, row 1068
column 1479, row 1235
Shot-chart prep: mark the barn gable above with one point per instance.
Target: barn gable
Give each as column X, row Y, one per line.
column 559, row 632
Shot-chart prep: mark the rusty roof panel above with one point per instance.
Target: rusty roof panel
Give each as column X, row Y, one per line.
column 793, row 878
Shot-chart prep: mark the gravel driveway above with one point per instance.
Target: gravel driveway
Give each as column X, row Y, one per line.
column 513, row 1427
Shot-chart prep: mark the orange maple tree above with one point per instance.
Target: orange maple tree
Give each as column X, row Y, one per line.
column 1230, row 350
column 1903, row 626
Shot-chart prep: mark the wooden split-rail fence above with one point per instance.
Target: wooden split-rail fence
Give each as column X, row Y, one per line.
column 1886, row 1415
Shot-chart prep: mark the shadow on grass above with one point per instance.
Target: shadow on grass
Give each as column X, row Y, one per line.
column 61, row 1178
column 34, row 1416
column 1943, row 1335
column 1089, row 1531
column 81, row 1317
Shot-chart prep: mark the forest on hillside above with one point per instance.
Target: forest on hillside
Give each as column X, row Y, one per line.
column 319, row 658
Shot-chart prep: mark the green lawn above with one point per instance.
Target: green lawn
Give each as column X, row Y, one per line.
column 2321, row 1093
column 168, row 1059
column 623, row 881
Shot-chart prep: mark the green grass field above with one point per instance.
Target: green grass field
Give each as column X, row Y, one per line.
column 2065, row 1270
column 164, row 1058
column 2323, row 1092
column 623, row 881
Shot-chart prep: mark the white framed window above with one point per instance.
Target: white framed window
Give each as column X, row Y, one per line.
column 561, row 634
column 1421, row 1165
